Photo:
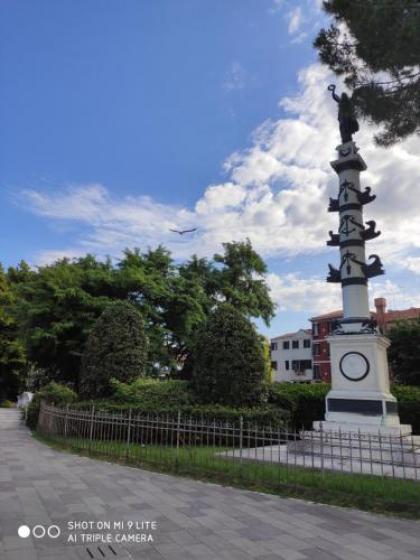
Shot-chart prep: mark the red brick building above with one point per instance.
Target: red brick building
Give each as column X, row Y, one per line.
column 321, row 328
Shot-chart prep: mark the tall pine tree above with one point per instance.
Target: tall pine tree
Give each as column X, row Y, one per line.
column 375, row 45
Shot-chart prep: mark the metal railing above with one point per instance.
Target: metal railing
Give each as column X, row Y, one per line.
column 209, row 443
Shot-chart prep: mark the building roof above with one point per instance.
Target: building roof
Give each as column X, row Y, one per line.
column 290, row 334
column 332, row 315
column 389, row 317
column 403, row 315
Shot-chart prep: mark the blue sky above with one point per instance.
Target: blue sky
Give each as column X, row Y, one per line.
column 123, row 119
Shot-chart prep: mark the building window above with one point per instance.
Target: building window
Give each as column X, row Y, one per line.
column 274, row 365
column 299, row 366
column 328, row 349
column 316, row 349
column 317, row 372
column 307, row 343
column 295, row 343
column 286, row 364
column 274, row 346
column 286, row 345
column 315, row 329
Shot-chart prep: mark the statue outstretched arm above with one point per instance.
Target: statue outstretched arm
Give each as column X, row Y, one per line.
column 331, row 88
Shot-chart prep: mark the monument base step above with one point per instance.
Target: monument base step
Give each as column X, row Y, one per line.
column 393, row 451
column 378, row 430
column 284, row 455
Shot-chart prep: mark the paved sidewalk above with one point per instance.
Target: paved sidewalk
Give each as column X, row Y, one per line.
column 40, row 486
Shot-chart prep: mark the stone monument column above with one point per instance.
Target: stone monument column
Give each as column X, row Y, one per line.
column 360, row 397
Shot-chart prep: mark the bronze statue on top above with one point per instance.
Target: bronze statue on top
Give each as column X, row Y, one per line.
column 346, row 115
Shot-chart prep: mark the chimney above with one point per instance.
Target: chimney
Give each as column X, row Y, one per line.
column 380, row 306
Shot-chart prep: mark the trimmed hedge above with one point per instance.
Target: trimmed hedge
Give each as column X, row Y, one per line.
column 267, row 415
column 293, row 405
column 306, row 403
column 408, row 405
column 169, row 397
column 7, row 404
column 229, row 366
column 116, row 348
column 53, row 393
column 150, row 393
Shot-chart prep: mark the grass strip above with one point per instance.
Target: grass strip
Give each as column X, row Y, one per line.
column 366, row 492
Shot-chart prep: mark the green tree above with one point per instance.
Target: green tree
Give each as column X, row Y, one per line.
column 268, row 371
column 12, row 354
column 145, row 280
column 240, row 281
column 56, row 305
column 375, row 45
column 116, row 349
column 235, row 277
column 55, row 308
column 228, row 357
column 404, row 352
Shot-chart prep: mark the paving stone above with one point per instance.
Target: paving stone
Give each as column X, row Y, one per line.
column 196, row 520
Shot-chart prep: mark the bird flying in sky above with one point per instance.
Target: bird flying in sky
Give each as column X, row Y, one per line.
column 182, row 231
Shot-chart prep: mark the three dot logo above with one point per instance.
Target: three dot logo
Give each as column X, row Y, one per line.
column 39, row 531
column 24, row 531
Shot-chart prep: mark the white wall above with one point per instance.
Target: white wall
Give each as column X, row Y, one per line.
column 281, row 355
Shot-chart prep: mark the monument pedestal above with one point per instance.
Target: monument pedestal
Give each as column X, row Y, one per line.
column 360, row 398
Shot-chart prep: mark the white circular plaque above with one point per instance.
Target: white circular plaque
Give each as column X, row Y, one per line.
column 354, row 366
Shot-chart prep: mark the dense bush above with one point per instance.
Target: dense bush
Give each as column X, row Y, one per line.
column 53, row 393
column 173, row 396
column 7, row 404
column 151, row 393
column 306, row 403
column 404, row 352
column 228, row 360
column 116, row 348
column 264, row 415
column 408, row 405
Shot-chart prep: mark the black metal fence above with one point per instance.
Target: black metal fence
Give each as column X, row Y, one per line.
column 206, row 443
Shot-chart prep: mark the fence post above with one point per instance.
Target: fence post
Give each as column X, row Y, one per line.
column 128, row 433
column 40, row 425
column 178, row 426
column 66, row 420
column 92, row 418
column 322, row 448
column 241, row 435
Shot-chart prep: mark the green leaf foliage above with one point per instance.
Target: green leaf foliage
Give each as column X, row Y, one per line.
column 241, row 281
column 172, row 396
column 262, row 415
column 153, row 394
column 116, row 348
column 228, row 358
column 306, row 402
column 52, row 393
column 55, row 306
column 404, row 352
column 375, row 45
column 12, row 352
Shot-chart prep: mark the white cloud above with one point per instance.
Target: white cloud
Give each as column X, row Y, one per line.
column 51, row 256
column 291, row 292
column 295, row 18
column 413, row 264
column 276, row 193
column 314, row 295
column 235, row 78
